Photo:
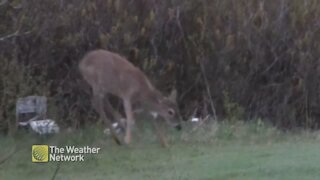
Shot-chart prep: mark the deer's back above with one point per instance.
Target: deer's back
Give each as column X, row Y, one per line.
column 111, row 73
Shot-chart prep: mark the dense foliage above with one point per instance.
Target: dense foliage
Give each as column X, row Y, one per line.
column 240, row 59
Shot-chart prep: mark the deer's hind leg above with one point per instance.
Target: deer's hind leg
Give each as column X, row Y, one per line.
column 98, row 104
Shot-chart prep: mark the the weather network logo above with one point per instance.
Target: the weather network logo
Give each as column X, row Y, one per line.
column 40, row 153
column 46, row 153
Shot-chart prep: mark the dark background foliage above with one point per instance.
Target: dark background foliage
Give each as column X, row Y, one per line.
column 240, row 59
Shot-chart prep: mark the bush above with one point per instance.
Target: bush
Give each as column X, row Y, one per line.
column 265, row 55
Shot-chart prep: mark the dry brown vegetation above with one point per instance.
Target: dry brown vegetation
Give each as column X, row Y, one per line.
column 260, row 59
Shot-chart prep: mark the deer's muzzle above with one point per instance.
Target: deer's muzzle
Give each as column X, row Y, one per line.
column 178, row 127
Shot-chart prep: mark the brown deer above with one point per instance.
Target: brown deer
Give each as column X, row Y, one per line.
column 109, row 73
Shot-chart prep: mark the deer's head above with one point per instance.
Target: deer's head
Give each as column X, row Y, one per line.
column 166, row 107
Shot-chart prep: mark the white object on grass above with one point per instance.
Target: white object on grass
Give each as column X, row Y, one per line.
column 194, row 119
column 46, row 126
column 114, row 126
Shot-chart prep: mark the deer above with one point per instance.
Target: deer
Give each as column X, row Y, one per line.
column 109, row 73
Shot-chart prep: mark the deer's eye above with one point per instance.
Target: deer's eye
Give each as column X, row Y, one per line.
column 171, row 112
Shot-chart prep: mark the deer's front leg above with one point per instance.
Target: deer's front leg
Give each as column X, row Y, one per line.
column 158, row 127
column 129, row 119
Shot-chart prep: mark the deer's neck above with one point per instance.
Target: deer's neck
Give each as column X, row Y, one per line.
column 150, row 100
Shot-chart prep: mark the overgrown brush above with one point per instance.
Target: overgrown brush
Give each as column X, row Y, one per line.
column 263, row 54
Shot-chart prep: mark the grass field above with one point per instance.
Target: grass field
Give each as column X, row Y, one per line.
column 218, row 152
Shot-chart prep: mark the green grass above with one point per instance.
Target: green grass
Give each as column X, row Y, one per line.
column 225, row 152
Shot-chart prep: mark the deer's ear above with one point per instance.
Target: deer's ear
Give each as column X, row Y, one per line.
column 173, row 95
